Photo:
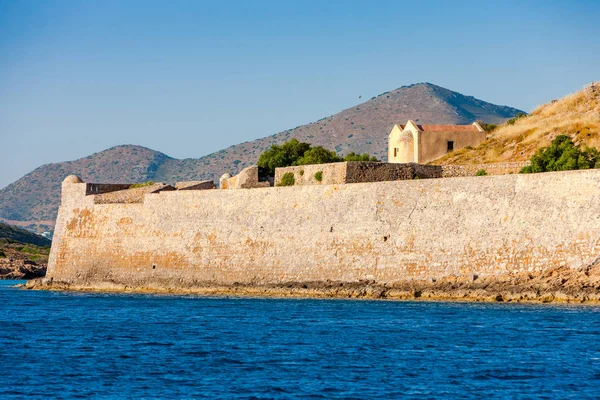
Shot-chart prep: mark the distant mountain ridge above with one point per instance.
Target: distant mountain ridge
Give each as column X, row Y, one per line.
column 32, row 201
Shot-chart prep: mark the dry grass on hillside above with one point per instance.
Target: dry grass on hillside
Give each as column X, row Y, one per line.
column 577, row 115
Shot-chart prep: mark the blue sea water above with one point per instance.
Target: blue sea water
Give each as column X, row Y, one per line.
column 74, row 345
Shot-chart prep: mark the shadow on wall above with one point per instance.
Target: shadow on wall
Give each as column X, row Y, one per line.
column 246, row 179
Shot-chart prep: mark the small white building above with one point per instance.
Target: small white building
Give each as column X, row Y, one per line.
column 424, row 143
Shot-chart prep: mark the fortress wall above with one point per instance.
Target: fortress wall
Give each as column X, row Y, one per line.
column 98, row 188
column 387, row 232
column 378, row 172
column 451, row 171
column 333, row 174
column 357, row 172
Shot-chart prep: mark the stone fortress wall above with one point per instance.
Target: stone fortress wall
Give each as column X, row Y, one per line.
column 356, row 172
column 362, row 172
column 386, row 232
column 451, row 171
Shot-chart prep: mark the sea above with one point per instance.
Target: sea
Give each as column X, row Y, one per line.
column 113, row 346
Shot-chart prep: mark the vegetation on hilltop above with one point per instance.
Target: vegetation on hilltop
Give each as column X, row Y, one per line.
column 563, row 155
column 360, row 157
column 576, row 115
column 294, row 152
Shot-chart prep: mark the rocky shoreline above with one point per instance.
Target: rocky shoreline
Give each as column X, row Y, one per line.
column 21, row 269
column 558, row 285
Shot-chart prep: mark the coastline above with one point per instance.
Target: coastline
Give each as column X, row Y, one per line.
column 556, row 285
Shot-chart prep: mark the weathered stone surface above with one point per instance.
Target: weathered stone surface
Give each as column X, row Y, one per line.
column 246, row 179
column 391, row 234
column 195, row 185
column 450, row 171
column 133, row 195
column 357, row 172
column 20, row 269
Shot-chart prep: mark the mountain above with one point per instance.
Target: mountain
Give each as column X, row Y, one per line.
column 32, row 201
column 15, row 234
column 576, row 115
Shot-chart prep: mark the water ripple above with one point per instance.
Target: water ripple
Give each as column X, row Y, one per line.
column 79, row 345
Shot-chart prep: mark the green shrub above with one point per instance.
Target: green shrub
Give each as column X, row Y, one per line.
column 139, row 185
column 287, row 179
column 2, row 254
column 352, row 156
column 294, row 152
column 30, row 249
column 515, row 118
column 291, row 153
column 319, row 176
column 563, row 155
column 301, row 172
column 318, row 155
column 481, row 172
column 280, row 156
column 490, row 127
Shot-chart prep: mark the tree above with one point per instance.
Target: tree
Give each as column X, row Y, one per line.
column 563, row 155
column 516, row 118
column 294, row 152
column 280, row 156
column 352, row 156
column 487, row 127
column 318, row 155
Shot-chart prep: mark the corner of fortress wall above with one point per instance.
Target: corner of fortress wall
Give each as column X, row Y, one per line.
column 386, row 231
column 246, row 179
column 74, row 196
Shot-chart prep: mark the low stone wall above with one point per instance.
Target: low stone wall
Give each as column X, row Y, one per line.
column 450, row 171
column 129, row 196
column 331, row 174
column 359, row 172
column 99, row 188
column 195, row 185
column 246, row 179
column 356, row 172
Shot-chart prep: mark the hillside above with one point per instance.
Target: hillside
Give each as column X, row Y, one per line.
column 23, row 255
column 577, row 115
column 15, row 234
column 32, row 201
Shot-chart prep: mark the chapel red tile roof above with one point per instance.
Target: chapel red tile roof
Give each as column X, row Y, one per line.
column 448, row 128
column 444, row 128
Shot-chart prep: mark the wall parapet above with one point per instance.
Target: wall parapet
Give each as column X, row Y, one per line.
column 131, row 195
column 195, row 185
column 100, row 188
column 246, row 179
column 356, row 172
column 450, row 171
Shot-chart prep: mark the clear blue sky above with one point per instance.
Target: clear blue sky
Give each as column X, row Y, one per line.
column 191, row 77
